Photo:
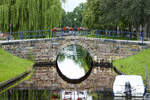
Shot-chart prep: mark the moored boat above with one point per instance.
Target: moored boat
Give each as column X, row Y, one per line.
column 128, row 85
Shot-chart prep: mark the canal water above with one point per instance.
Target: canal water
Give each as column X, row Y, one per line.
column 74, row 64
column 62, row 95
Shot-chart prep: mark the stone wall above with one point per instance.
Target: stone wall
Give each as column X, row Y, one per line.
column 48, row 78
column 46, row 50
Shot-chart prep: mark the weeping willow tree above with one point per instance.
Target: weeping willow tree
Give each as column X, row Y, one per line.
column 30, row 14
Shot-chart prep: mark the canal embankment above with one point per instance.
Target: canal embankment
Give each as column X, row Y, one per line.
column 137, row 64
column 12, row 69
column 14, row 81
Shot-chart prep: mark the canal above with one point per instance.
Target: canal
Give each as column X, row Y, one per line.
column 73, row 65
column 62, row 95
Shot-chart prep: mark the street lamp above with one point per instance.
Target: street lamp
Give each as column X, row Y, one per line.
column 9, row 36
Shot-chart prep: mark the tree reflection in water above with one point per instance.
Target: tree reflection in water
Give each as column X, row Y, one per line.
column 74, row 61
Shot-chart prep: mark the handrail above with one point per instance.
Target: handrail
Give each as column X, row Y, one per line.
column 97, row 33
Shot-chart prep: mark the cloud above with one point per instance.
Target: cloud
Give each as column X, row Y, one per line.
column 71, row 4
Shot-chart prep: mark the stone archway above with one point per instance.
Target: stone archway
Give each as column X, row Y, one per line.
column 73, row 57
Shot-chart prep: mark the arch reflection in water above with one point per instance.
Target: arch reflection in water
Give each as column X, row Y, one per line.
column 74, row 63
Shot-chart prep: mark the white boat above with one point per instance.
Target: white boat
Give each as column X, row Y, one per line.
column 75, row 95
column 128, row 85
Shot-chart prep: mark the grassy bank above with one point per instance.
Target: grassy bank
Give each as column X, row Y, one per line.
column 109, row 37
column 11, row 66
column 135, row 64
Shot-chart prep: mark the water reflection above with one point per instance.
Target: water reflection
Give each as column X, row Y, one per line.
column 74, row 62
column 30, row 95
column 75, row 95
column 62, row 95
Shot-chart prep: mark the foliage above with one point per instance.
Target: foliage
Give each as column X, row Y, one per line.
column 18, row 82
column 135, row 64
column 10, row 66
column 108, row 14
column 30, row 95
column 73, row 19
column 80, row 56
column 30, row 14
column 31, row 56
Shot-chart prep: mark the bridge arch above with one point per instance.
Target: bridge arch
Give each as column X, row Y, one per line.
column 75, row 53
column 80, row 43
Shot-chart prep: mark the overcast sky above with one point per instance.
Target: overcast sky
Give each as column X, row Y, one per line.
column 71, row 4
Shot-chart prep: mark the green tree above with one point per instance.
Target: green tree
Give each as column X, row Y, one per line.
column 30, row 14
column 74, row 18
column 108, row 14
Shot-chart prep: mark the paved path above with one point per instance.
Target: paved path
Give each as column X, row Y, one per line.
column 121, row 41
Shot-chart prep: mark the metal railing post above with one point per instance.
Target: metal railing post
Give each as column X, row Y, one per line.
column 52, row 34
column 8, row 36
column 100, row 34
column 35, row 35
column 31, row 35
column 20, row 35
column 128, row 36
column 113, row 35
column 142, row 37
column 96, row 33
column 87, row 34
column 49, row 33
column 109, row 32
column 119, row 35
column 131, row 36
column 137, row 35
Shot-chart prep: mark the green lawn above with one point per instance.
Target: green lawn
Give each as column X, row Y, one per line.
column 135, row 64
column 11, row 66
column 108, row 37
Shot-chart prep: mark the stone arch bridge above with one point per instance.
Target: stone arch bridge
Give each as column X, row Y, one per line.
column 44, row 53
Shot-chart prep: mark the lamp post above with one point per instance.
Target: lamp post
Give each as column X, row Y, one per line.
column 9, row 36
